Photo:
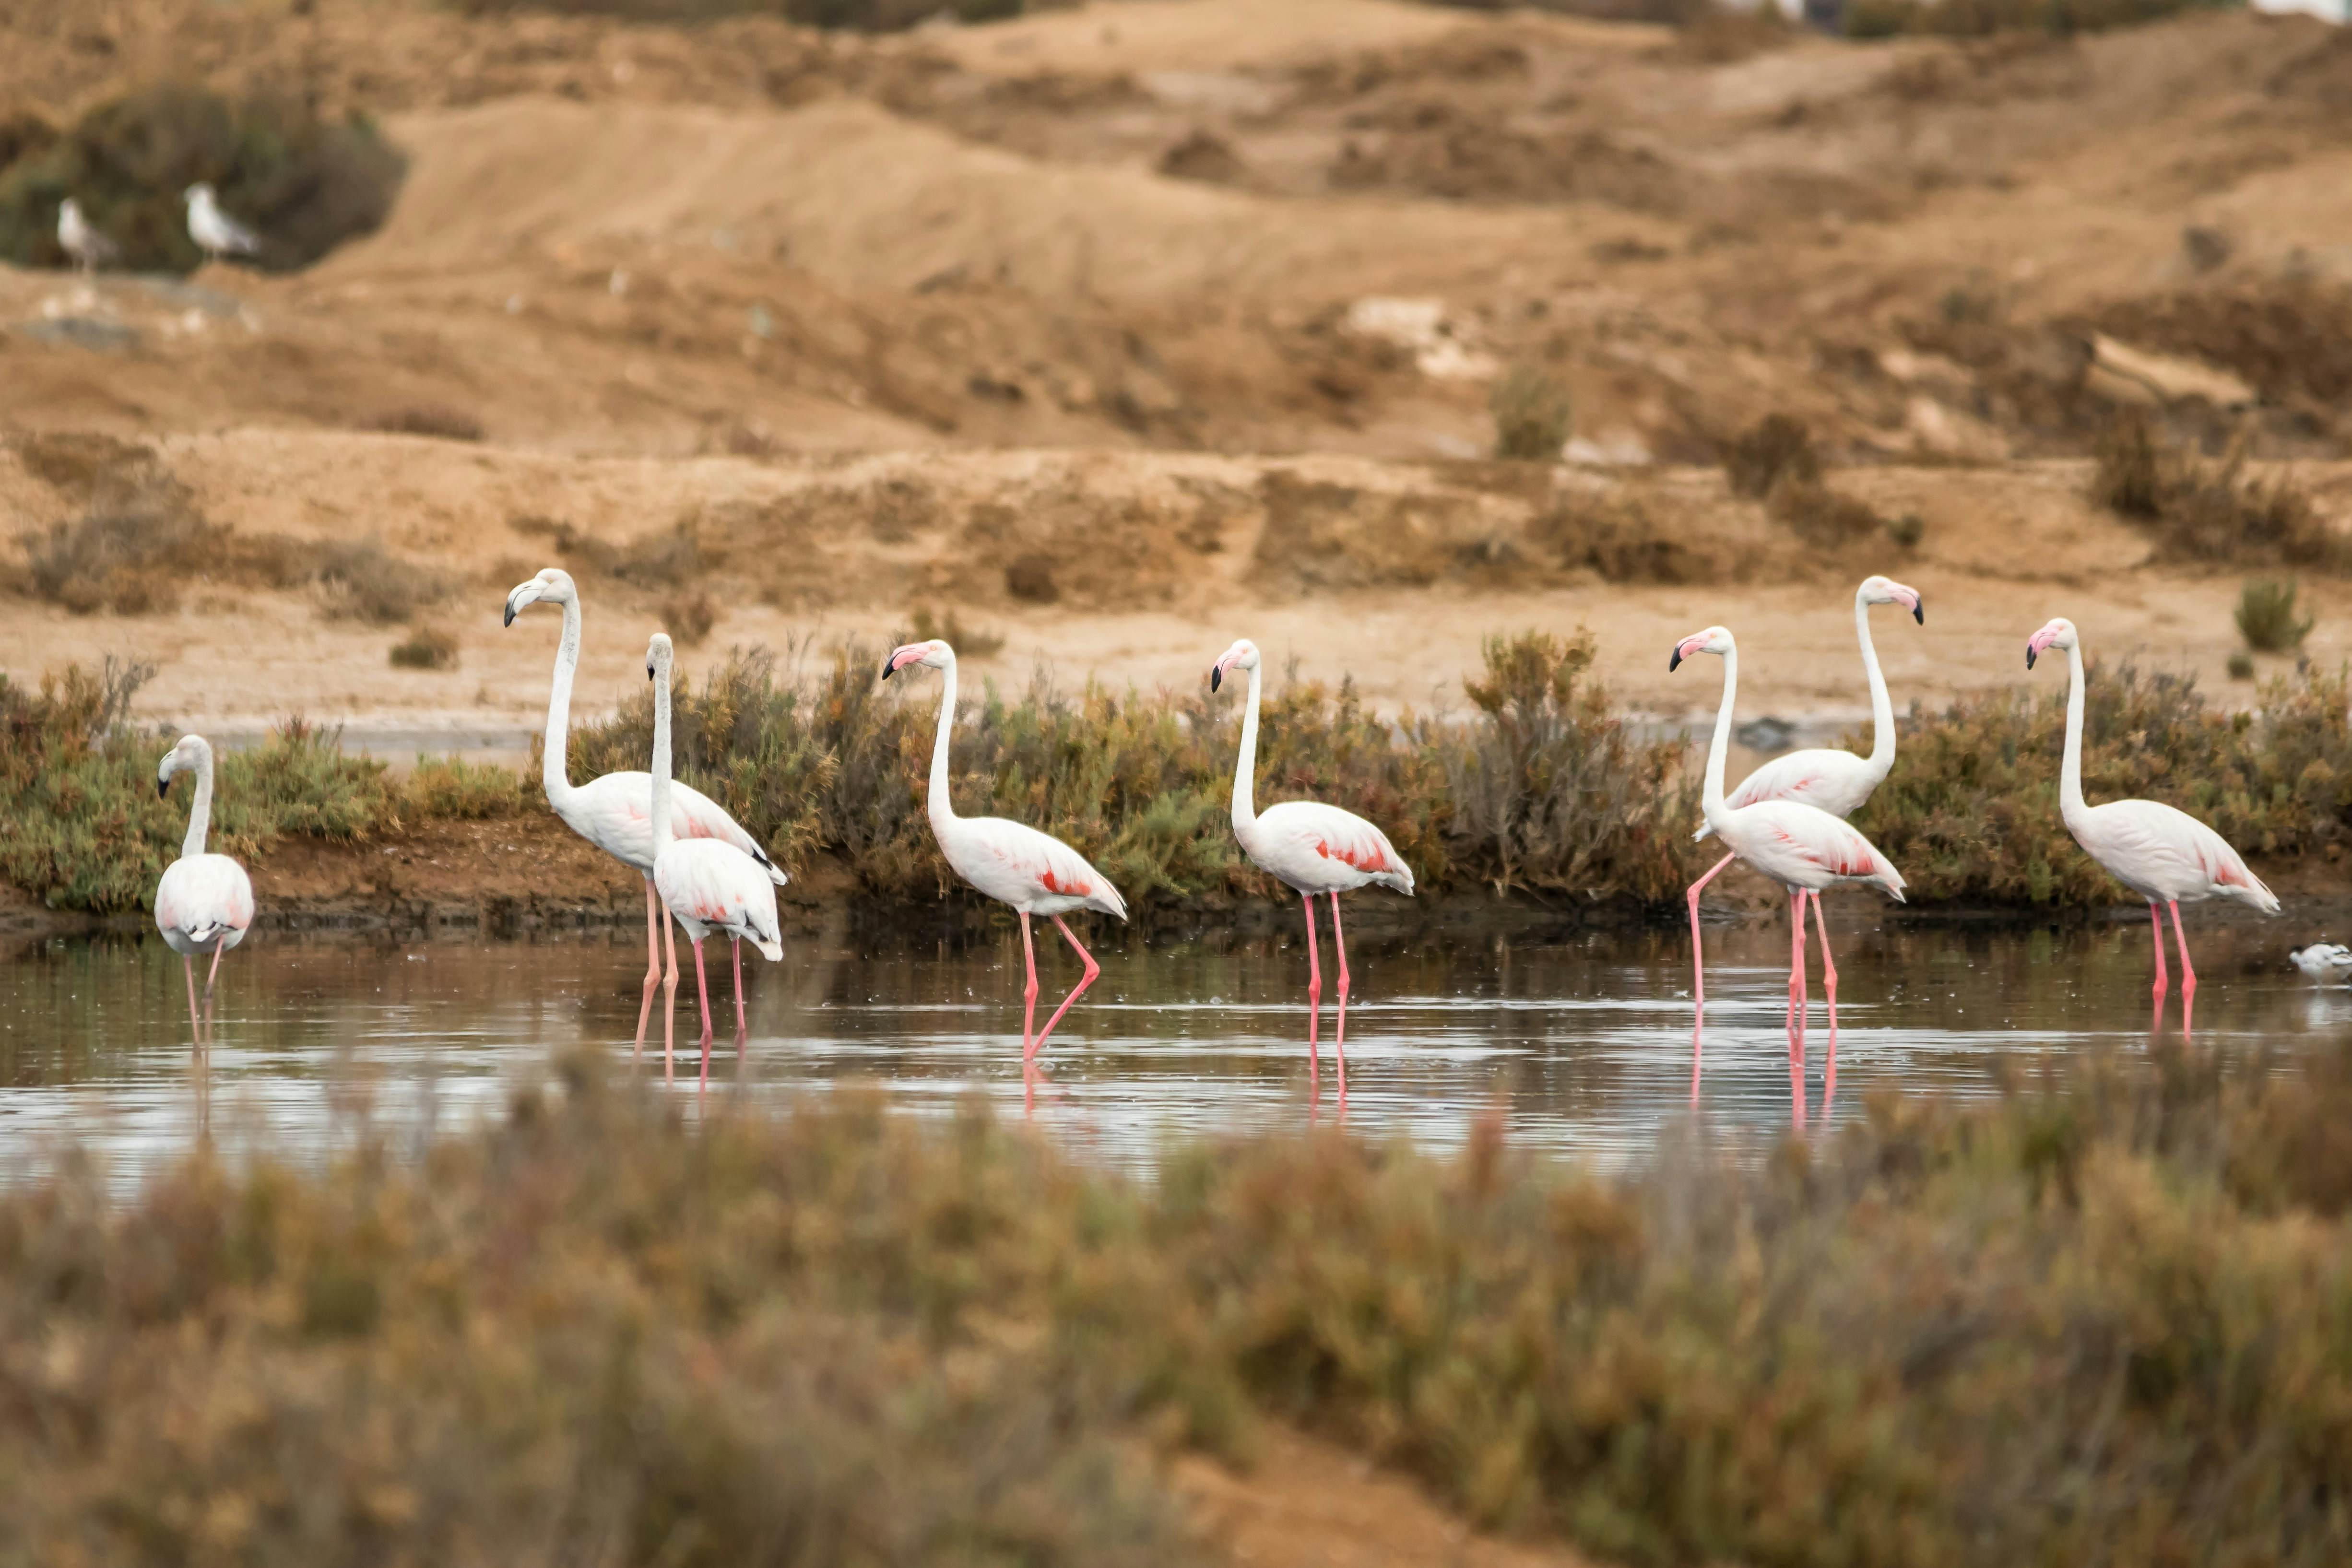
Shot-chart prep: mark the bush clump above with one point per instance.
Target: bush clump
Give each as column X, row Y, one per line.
column 860, row 16
column 303, row 186
column 1778, row 447
column 426, row 648
column 2208, row 511
column 1531, row 411
column 2266, row 617
column 1970, row 812
column 2098, row 1320
column 1984, row 18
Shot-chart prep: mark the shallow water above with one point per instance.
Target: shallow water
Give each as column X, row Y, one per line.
column 1581, row 1045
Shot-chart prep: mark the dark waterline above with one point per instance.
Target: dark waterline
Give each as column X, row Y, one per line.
column 1582, row 1045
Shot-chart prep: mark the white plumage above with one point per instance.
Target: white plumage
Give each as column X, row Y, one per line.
column 2164, row 855
column 2324, row 960
column 204, row 902
column 1034, row 873
column 1837, row 780
column 615, row 812
column 216, row 233
column 85, row 244
column 707, row 885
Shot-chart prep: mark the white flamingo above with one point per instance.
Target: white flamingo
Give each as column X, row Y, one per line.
column 707, row 885
column 1312, row 849
column 2163, row 855
column 81, row 240
column 205, row 902
column 1801, row 847
column 1011, row 862
column 615, row 812
column 216, row 233
column 1831, row 778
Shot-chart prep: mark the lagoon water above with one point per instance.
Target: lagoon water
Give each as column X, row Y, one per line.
column 1581, row 1043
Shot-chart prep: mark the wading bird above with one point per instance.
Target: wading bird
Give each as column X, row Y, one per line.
column 1013, row 864
column 2323, row 960
column 2163, row 855
column 89, row 248
column 615, row 812
column 1801, row 847
column 216, row 233
column 1832, row 778
column 205, row 902
column 706, row 884
column 1312, row 849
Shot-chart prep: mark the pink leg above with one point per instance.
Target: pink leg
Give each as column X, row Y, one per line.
column 740, row 1028
column 2155, row 924
column 195, row 1022
column 1028, row 998
column 1077, row 991
column 1797, row 1002
column 702, row 988
column 1314, row 1006
column 2187, row 974
column 670, row 1001
column 653, row 968
column 1339, row 1030
column 1698, row 974
column 210, row 975
column 1829, row 970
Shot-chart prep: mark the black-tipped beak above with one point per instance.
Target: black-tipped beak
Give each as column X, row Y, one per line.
column 1919, row 611
column 509, row 620
column 1674, row 660
column 1216, row 675
column 888, row 666
column 162, row 788
column 649, row 671
column 2029, row 655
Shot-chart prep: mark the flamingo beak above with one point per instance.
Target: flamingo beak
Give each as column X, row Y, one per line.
column 889, row 664
column 510, row 610
column 1919, row 610
column 1674, row 660
column 2030, row 651
column 162, row 787
column 1216, row 674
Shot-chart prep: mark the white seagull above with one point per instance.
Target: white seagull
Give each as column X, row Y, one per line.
column 216, row 233
column 89, row 248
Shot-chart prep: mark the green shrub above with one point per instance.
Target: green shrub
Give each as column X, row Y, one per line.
column 2266, row 617
column 1970, row 812
column 1531, row 411
column 2241, row 666
column 452, row 788
column 302, row 185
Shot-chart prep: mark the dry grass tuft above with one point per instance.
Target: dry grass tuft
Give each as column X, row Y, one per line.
column 376, row 585
column 2211, row 511
column 1778, row 447
column 971, row 641
column 688, row 617
column 426, row 648
column 434, row 420
column 1532, row 412
column 1824, row 517
column 2266, row 617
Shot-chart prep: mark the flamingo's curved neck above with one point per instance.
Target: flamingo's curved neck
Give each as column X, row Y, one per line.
column 2071, row 804
column 659, row 803
column 554, row 770
column 940, row 807
column 1711, row 796
column 1245, row 764
column 1881, row 711
column 200, row 810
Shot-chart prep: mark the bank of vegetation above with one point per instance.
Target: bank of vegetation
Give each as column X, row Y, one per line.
column 1538, row 788
column 2106, row 1317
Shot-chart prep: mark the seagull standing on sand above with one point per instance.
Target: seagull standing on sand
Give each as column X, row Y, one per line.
column 216, row 233
column 89, row 248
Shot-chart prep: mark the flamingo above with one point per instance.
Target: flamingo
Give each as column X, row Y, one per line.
column 1799, row 846
column 1011, row 862
column 1312, row 849
column 615, row 812
column 205, row 902
column 216, row 233
column 1831, row 778
column 2159, row 852
column 707, row 885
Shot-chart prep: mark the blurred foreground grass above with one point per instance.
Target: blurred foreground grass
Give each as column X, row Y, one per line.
column 2101, row 1319
column 1542, row 787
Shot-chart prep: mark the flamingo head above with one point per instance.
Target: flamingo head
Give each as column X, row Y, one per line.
column 554, row 585
column 2058, row 634
column 658, row 659
column 1886, row 590
column 935, row 655
column 1242, row 655
column 186, row 756
column 1714, row 640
